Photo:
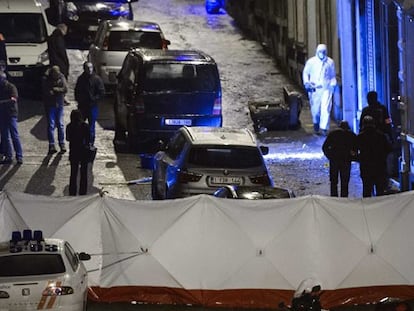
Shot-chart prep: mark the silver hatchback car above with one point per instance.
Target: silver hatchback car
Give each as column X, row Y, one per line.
column 113, row 40
column 200, row 159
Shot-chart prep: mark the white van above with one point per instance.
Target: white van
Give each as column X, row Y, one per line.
column 25, row 28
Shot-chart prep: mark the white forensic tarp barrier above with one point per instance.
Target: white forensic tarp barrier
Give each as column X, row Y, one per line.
column 210, row 251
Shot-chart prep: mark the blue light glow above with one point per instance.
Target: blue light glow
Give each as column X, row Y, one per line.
column 300, row 155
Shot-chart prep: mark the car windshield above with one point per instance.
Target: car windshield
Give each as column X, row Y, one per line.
column 23, row 27
column 225, row 157
column 179, row 77
column 31, row 264
column 125, row 40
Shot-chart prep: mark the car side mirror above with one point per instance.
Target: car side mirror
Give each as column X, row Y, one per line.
column 264, row 150
column 84, row 256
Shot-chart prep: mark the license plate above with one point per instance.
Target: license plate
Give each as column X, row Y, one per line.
column 178, row 122
column 93, row 28
column 16, row 74
column 224, row 180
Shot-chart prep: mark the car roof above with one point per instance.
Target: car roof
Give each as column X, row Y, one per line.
column 123, row 25
column 206, row 135
column 186, row 56
column 21, row 6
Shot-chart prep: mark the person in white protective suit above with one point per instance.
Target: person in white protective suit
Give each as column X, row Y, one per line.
column 319, row 79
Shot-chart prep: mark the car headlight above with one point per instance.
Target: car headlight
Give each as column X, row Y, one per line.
column 43, row 58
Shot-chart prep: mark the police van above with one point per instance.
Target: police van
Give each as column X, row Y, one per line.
column 24, row 25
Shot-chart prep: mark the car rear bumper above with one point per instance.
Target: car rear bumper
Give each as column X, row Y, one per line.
column 163, row 127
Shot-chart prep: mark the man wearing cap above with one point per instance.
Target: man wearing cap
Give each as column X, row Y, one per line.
column 340, row 149
column 319, row 80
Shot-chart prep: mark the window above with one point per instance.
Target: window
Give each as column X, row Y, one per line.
column 176, row 145
column 125, row 40
column 23, row 27
column 225, row 157
column 180, row 77
column 31, row 264
column 72, row 257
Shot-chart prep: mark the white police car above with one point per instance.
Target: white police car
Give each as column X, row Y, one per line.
column 41, row 274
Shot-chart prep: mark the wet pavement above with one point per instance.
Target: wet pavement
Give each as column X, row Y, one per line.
column 247, row 74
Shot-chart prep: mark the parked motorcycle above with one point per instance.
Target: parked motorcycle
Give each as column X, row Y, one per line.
column 305, row 298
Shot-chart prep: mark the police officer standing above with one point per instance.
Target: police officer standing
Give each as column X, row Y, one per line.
column 8, row 120
column 379, row 113
column 340, row 148
column 373, row 147
column 89, row 91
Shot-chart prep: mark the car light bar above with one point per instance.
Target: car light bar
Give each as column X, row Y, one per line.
column 30, row 241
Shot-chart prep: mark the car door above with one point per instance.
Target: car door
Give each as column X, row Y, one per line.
column 96, row 47
column 125, row 90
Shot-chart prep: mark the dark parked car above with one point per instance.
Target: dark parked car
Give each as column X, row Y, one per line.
column 253, row 193
column 84, row 16
column 159, row 91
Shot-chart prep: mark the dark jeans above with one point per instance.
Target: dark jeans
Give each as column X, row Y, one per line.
column 371, row 183
column 341, row 169
column 91, row 115
column 9, row 129
column 83, row 184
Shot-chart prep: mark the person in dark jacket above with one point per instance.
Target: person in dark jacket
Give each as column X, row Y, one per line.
column 379, row 113
column 8, row 120
column 77, row 134
column 340, row 149
column 373, row 148
column 56, row 48
column 54, row 87
column 3, row 52
column 89, row 90
column 3, row 67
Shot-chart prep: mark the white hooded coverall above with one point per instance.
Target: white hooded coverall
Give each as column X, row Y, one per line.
column 319, row 78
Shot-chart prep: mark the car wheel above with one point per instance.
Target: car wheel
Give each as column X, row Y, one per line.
column 120, row 141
